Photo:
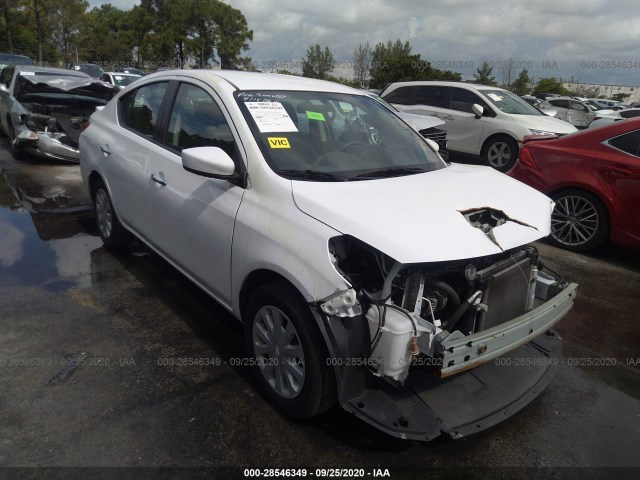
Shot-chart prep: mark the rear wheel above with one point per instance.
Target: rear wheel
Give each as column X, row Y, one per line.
column 501, row 153
column 113, row 234
column 579, row 221
column 288, row 352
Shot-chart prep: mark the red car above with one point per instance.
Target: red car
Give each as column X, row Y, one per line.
column 594, row 178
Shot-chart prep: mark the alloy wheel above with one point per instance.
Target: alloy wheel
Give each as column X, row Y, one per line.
column 574, row 220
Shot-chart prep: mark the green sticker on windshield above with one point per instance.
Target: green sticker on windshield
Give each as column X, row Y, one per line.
column 315, row 116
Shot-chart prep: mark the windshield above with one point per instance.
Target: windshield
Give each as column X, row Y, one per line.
column 91, row 70
column 507, row 102
column 321, row 136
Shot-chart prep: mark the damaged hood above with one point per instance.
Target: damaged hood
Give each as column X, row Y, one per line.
column 70, row 85
column 430, row 217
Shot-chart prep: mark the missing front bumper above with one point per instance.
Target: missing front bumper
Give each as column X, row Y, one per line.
column 467, row 403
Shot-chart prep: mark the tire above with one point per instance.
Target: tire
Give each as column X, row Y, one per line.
column 291, row 368
column 113, row 234
column 501, row 153
column 579, row 221
column 17, row 150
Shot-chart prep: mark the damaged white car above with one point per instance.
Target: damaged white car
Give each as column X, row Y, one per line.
column 43, row 110
column 367, row 271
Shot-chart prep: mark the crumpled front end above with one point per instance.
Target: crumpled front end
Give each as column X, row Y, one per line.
column 52, row 131
column 437, row 337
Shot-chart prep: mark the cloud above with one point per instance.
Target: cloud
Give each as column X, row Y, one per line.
column 568, row 32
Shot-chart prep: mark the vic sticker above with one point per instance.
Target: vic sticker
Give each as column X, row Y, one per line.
column 278, row 142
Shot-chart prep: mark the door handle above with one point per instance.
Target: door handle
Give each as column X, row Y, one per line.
column 621, row 172
column 105, row 149
column 159, row 180
column 448, row 118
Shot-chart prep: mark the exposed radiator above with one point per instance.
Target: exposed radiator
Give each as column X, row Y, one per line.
column 507, row 291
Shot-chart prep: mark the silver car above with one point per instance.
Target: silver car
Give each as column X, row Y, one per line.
column 42, row 110
column 574, row 111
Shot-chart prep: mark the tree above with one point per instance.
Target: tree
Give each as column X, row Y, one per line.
column 508, row 72
column 619, row 97
column 362, row 56
column 549, row 85
column 66, row 17
column 6, row 15
column 318, row 63
column 520, row 86
column 394, row 62
column 233, row 33
column 484, row 74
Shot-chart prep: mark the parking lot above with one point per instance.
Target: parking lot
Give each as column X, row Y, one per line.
column 118, row 360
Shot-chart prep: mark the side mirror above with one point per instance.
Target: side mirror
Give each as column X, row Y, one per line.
column 433, row 144
column 551, row 113
column 208, row 161
column 478, row 110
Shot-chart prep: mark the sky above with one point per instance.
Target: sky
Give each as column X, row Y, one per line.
column 592, row 41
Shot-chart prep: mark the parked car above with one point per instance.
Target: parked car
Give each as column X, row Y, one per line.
column 7, row 59
column 94, row 71
column 544, row 96
column 119, row 79
column 425, row 125
column 133, row 71
column 480, row 120
column 622, row 114
column 363, row 266
column 574, row 111
column 594, row 178
column 42, row 110
column 531, row 100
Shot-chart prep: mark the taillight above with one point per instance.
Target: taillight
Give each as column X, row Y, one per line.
column 85, row 125
column 526, row 158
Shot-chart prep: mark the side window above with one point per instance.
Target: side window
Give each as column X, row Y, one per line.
column 630, row 113
column 139, row 110
column 629, row 143
column 462, row 100
column 579, row 107
column 400, row 95
column 7, row 75
column 560, row 103
column 433, row 96
column 197, row 121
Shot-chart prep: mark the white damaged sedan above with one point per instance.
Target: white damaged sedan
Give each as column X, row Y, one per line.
column 367, row 272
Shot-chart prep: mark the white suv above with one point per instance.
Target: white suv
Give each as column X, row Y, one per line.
column 480, row 120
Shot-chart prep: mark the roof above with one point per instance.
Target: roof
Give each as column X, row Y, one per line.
column 124, row 74
column 261, row 81
column 473, row 86
column 60, row 71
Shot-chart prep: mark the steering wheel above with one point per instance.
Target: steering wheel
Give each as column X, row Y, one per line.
column 350, row 144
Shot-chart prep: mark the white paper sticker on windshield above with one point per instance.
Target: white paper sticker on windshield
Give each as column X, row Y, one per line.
column 271, row 117
column 494, row 97
column 24, row 74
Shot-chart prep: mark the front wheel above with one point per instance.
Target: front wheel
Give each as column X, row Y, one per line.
column 113, row 234
column 579, row 221
column 288, row 352
column 501, row 153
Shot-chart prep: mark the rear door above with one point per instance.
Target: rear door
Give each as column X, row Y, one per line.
column 561, row 106
column 126, row 146
column 578, row 114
